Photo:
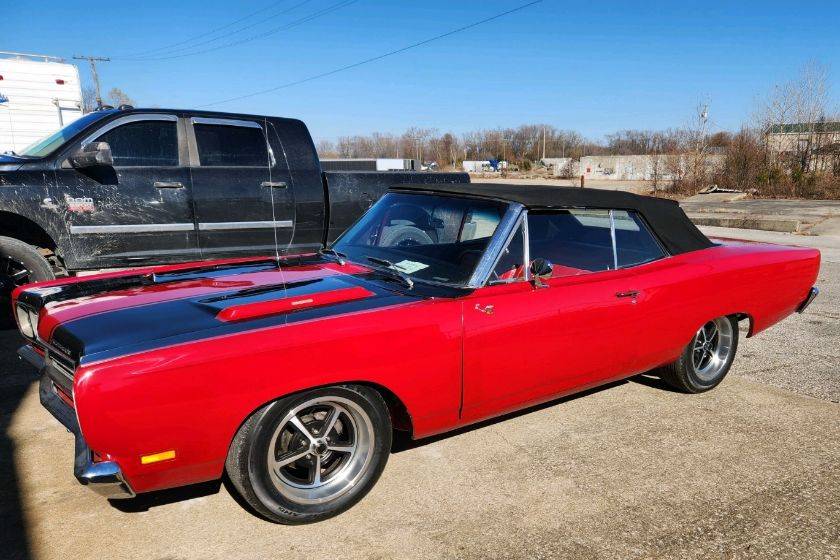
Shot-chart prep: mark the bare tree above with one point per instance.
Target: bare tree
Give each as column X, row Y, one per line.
column 119, row 97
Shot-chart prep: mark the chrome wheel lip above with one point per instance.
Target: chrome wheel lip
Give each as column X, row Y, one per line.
column 711, row 349
column 348, row 473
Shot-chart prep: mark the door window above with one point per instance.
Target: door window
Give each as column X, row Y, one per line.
column 231, row 146
column 510, row 266
column 634, row 242
column 574, row 241
column 143, row 144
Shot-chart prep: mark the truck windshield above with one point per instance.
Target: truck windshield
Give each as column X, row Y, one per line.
column 426, row 237
column 51, row 143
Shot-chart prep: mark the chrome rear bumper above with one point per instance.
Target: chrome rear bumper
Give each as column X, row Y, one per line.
column 814, row 292
column 104, row 477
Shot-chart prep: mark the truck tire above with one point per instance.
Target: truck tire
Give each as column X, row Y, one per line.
column 20, row 263
column 342, row 433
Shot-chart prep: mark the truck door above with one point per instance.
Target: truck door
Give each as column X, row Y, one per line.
column 139, row 209
column 242, row 189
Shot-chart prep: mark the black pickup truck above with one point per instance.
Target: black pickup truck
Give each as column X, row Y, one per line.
column 128, row 187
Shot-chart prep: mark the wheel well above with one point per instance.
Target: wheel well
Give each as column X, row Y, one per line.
column 400, row 418
column 16, row 226
column 742, row 316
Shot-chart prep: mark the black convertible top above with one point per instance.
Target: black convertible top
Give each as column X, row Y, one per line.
column 665, row 217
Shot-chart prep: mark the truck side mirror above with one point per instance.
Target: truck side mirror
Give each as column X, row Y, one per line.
column 541, row 270
column 95, row 154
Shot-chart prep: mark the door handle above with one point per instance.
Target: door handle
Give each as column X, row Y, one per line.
column 632, row 294
column 169, row 185
column 274, row 184
column 486, row 309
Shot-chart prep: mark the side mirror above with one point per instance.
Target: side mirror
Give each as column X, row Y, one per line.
column 95, row 154
column 541, row 270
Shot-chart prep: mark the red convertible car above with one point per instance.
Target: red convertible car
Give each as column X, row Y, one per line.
column 442, row 306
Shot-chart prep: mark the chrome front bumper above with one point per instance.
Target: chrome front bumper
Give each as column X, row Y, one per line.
column 814, row 292
column 105, row 477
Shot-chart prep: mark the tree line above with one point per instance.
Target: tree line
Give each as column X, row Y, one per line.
column 804, row 162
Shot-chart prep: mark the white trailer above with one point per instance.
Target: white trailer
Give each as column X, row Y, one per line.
column 38, row 95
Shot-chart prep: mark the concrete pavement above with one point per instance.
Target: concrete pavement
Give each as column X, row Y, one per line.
column 632, row 470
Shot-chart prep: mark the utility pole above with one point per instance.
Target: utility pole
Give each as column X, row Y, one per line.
column 543, row 142
column 93, row 60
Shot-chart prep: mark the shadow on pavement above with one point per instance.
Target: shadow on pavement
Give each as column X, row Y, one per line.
column 402, row 441
column 15, row 379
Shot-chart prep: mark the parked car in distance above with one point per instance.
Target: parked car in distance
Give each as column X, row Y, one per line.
column 443, row 306
column 130, row 187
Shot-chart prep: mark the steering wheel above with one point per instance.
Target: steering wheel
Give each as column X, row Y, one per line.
column 404, row 236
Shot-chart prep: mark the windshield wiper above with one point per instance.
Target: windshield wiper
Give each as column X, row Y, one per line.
column 340, row 257
column 391, row 267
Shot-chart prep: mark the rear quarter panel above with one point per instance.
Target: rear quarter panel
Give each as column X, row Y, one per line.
column 193, row 397
column 762, row 281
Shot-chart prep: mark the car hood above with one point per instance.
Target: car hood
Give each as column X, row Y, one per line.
column 103, row 318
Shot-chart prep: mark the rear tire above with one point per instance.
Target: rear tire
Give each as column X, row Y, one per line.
column 20, row 263
column 706, row 360
column 312, row 455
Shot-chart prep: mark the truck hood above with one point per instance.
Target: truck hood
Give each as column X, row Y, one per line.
column 102, row 318
column 10, row 162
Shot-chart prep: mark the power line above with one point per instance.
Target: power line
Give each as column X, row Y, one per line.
column 290, row 25
column 375, row 58
column 211, row 32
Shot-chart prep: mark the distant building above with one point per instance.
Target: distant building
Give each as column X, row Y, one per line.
column 370, row 164
column 817, row 143
column 642, row 168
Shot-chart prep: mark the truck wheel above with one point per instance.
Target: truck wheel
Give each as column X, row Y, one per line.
column 706, row 359
column 312, row 455
column 20, row 263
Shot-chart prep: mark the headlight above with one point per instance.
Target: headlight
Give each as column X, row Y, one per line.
column 27, row 321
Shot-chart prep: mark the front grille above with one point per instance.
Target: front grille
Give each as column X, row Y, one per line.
column 60, row 370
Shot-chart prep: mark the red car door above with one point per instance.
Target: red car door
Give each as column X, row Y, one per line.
column 524, row 345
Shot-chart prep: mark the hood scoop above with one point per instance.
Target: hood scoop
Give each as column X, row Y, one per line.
column 291, row 304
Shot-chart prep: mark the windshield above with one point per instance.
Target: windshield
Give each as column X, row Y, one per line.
column 49, row 144
column 426, row 237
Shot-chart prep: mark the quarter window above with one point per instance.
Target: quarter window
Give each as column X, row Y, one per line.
column 143, row 144
column 633, row 241
column 231, row 146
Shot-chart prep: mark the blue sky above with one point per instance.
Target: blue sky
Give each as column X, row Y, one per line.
column 595, row 67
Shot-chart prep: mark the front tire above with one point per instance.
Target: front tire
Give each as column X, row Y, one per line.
column 20, row 263
column 706, row 360
column 313, row 455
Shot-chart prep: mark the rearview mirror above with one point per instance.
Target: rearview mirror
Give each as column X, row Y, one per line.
column 95, row 154
column 541, row 270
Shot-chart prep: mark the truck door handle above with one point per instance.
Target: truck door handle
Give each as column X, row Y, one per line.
column 274, row 184
column 169, row 185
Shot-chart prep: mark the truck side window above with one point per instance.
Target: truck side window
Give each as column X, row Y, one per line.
column 230, row 146
column 143, row 144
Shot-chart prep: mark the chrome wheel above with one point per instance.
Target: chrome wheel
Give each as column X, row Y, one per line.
column 320, row 450
column 711, row 349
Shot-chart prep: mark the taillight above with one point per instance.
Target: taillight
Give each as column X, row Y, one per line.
column 59, row 81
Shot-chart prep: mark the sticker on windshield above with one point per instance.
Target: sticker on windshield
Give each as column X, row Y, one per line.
column 410, row 267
